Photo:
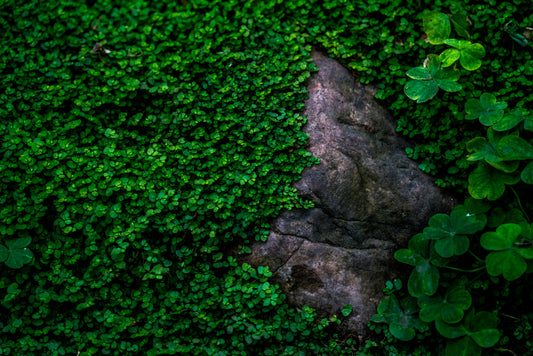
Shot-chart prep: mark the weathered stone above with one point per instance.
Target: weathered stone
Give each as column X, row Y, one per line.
column 370, row 198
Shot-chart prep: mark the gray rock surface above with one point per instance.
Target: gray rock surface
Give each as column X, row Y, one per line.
column 370, row 198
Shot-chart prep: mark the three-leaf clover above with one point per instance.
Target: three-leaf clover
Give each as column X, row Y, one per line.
column 469, row 54
column 487, row 182
column 478, row 330
column 428, row 80
column 488, row 151
column 486, row 109
column 449, row 231
column 509, row 255
column 424, row 278
column 401, row 317
column 15, row 253
column 449, row 308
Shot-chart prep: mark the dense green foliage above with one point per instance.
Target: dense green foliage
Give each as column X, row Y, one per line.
column 442, row 304
column 142, row 143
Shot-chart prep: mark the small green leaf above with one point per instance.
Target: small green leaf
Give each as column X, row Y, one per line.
column 346, row 310
column 436, row 26
column 470, row 54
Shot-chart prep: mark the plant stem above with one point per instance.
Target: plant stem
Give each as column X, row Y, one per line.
column 465, row 270
column 477, row 258
column 520, row 204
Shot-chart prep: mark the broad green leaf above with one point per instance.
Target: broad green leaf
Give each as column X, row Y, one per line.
column 488, row 152
column 449, row 231
column 449, row 57
column 509, row 121
column 528, row 123
column 508, row 258
column 486, row 109
column 419, row 73
column 449, row 308
column 486, row 338
column 4, row 253
column 450, row 331
column 420, row 90
column 460, row 24
column 513, row 147
column 436, row 26
column 487, row 182
column 17, row 252
column 527, row 173
column 424, row 278
column 469, row 54
column 463, row 347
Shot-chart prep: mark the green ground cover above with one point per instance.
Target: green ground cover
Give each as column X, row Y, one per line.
column 141, row 141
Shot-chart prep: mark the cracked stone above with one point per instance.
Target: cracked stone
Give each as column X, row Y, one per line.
column 369, row 197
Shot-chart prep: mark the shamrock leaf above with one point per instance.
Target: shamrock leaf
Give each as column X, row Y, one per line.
column 509, row 121
column 487, row 151
column 347, row 310
column 527, row 173
column 486, row 109
column 402, row 318
column 487, row 182
column 428, row 80
column 478, row 330
column 450, row 230
column 424, row 278
column 436, row 26
column 15, row 252
column 514, row 147
column 449, row 308
column 509, row 256
column 469, row 54
column 460, row 24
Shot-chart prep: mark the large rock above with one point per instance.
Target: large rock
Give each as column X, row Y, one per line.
column 370, row 198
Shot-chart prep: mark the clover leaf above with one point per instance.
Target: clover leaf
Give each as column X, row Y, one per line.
column 486, row 109
column 428, row 80
column 514, row 147
column 15, row 253
column 450, row 230
column 424, row 278
column 527, row 173
column 509, row 256
column 478, row 330
column 460, row 24
column 509, row 120
column 469, row 54
column 449, row 308
column 488, row 151
column 401, row 318
column 436, row 26
column 487, row 182
column 346, row 310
